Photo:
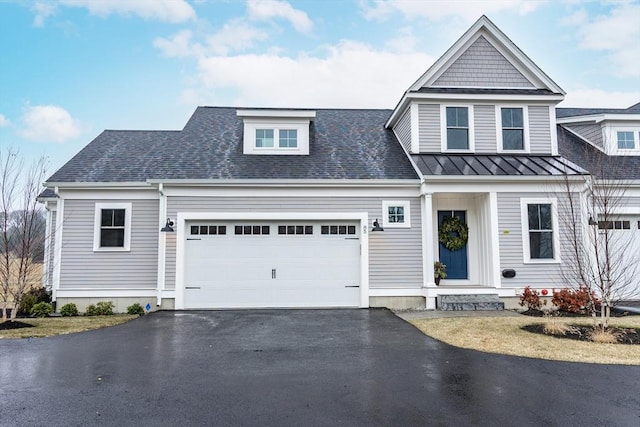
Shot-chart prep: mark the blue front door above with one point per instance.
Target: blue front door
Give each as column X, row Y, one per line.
column 456, row 261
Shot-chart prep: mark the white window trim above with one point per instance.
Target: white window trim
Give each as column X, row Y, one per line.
column 524, row 221
column 525, row 123
column 634, row 135
column 610, row 135
column 300, row 126
column 127, row 227
column 406, row 204
column 443, row 129
column 276, row 138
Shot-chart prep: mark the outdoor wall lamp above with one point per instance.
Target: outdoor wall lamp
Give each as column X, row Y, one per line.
column 168, row 227
column 376, row 226
column 592, row 221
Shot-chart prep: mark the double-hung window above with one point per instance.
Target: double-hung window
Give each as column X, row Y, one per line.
column 112, row 227
column 626, row 140
column 539, row 226
column 512, row 128
column 458, row 134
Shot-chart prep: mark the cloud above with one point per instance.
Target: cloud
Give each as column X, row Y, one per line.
column 438, row 10
column 350, row 74
column 235, row 35
column 4, row 121
column 173, row 11
column 617, row 33
column 598, row 98
column 265, row 10
column 177, row 45
column 48, row 123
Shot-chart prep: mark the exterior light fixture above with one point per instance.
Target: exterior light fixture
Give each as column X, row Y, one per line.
column 168, row 227
column 376, row 226
column 592, row 221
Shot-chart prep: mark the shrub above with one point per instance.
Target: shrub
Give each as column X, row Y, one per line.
column 32, row 297
column 105, row 308
column 531, row 298
column 573, row 301
column 41, row 309
column 68, row 310
column 91, row 310
column 606, row 336
column 135, row 309
column 556, row 327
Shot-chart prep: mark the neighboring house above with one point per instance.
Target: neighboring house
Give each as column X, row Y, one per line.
column 276, row 207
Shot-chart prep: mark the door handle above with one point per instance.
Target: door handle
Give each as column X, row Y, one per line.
column 273, row 273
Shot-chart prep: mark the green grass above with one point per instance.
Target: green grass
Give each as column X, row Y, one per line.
column 50, row 326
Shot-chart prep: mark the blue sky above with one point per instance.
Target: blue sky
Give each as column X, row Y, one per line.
column 72, row 68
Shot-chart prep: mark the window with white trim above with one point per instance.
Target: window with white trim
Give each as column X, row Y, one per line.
column 276, row 132
column 288, row 138
column 512, row 128
column 264, row 138
column 539, row 230
column 396, row 214
column 626, row 140
column 457, row 128
column 112, row 227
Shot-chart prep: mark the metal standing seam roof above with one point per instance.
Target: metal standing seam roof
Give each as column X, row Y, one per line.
column 495, row 165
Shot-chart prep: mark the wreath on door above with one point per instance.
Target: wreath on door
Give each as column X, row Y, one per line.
column 453, row 233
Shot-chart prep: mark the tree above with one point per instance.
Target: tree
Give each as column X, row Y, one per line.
column 22, row 229
column 603, row 259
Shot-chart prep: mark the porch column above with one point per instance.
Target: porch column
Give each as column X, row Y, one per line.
column 426, row 200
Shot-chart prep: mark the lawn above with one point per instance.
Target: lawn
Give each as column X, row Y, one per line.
column 503, row 335
column 49, row 326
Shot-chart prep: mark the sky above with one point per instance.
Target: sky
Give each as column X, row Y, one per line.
column 72, row 68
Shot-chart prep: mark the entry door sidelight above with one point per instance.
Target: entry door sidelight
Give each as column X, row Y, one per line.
column 456, row 261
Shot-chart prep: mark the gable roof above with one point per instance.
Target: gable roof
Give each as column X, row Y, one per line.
column 344, row 144
column 486, row 31
column 562, row 113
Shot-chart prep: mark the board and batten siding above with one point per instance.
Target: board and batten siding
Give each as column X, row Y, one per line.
column 484, row 121
column 81, row 267
column 539, row 130
column 429, row 128
column 403, row 130
column 395, row 255
column 481, row 65
column 511, row 243
column 590, row 132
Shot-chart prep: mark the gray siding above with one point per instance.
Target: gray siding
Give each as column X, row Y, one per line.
column 511, row 244
column 590, row 132
column 481, row 65
column 52, row 248
column 403, row 130
column 429, row 119
column 395, row 256
column 539, row 130
column 485, row 128
column 81, row 267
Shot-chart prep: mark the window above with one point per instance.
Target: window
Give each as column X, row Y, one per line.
column 338, row 229
column 112, row 227
column 540, row 240
column 295, row 229
column 288, row 138
column 457, row 128
column 210, row 230
column 264, row 138
column 248, row 230
column 395, row 214
column 614, row 225
column 625, row 140
column 512, row 129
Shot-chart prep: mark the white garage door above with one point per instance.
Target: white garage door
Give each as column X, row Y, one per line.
column 272, row 264
column 625, row 239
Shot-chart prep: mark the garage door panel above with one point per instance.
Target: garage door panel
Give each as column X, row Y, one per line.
column 273, row 270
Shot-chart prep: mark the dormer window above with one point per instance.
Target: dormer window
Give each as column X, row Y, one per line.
column 276, row 131
column 457, row 128
column 512, row 129
column 626, row 141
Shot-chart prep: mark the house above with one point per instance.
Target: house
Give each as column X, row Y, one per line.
column 260, row 207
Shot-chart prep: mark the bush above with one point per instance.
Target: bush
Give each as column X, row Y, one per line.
column 32, row 297
column 103, row 308
column 135, row 309
column 531, row 299
column 68, row 310
column 573, row 301
column 41, row 309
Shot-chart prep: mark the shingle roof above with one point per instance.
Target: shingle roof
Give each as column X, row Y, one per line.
column 495, row 165
column 594, row 160
column 344, row 144
column 573, row 112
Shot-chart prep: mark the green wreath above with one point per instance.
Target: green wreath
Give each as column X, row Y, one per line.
column 453, row 233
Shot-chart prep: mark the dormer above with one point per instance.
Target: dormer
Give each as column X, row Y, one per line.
column 484, row 95
column 614, row 132
column 276, row 132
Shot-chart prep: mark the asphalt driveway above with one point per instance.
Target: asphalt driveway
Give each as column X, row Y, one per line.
column 296, row 367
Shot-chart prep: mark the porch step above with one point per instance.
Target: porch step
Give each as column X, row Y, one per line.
column 471, row 302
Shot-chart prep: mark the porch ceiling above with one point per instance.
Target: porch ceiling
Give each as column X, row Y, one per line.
column 495, row 165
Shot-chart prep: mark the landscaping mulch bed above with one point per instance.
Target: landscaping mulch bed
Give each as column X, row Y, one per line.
column 16, row 324
column 581, row 333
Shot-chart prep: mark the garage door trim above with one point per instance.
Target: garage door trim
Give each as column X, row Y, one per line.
column 183, row 217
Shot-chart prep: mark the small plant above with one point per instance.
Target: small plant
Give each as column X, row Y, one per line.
column 32, row 297
column 105, row 308
column 554, row 326
column 603, row 336
column 573, row 301
column 41, row 309
column 91, row 310
column 135, row 309
column 439, row 271
column 69, row 310
column 531, row 298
